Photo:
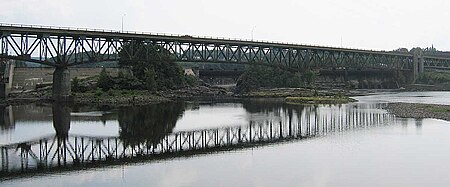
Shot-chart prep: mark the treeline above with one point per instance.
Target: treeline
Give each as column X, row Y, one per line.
column 429, row 51
column 434, row 78
column 256, row 77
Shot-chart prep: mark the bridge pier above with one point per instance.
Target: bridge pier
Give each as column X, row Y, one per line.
column 61, row 84
column 418, row 63
column 4, row 77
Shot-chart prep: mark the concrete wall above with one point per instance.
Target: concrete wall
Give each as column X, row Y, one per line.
column 27, row 78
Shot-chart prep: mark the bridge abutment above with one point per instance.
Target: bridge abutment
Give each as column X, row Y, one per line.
column 61, row 84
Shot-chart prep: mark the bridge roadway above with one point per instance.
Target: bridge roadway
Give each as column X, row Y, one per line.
column 73, row 152
column 63, row 47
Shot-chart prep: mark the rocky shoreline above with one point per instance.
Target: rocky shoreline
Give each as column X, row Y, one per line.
column 416, row 110
column 121, row 97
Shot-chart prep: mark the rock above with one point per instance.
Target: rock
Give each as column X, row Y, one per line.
column 415, row 110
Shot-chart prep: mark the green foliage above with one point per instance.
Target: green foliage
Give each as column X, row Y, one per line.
column 104, row 81
column 75, row 85
column 269, row 77
column 127, row 82
column 190, row 80
column 154, row 66
column 79, row 86
column 434, row 78
column 98, row 92
column 310, row 77
column 247, row 82
column 150, row 80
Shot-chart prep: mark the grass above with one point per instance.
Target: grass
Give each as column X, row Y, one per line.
column 438, row 109
column 319, row 100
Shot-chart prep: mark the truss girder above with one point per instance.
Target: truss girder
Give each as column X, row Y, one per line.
column 71, row 47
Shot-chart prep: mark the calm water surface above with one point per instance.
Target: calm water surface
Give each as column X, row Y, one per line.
column 328, row 145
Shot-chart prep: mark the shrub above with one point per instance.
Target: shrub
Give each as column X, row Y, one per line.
column 104, row 81
column 75, row 84
column 155, row 67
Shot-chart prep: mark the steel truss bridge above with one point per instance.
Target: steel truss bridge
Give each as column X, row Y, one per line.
column 73, row 152
column 62, row 47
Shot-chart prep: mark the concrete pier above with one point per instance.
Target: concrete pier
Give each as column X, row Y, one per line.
column 61, row 84
column 418, row 64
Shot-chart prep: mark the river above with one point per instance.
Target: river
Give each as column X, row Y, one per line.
column 225, row 143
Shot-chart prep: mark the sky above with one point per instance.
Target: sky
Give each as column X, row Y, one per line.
column 362, row 24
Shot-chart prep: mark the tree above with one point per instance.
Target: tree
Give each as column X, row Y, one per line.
column 104, row 81
column 310, row 78
column 150, row 82
column 75, row 84
column 153, row 65
column 269, row 77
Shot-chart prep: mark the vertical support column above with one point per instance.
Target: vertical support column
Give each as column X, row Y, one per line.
column 61, row 84
column 421, row 63
column 11, row 65
column 3, row 78
column 418, row 63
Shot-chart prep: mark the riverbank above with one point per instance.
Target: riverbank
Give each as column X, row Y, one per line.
column 144, row 97
column 307, row 92
column 116, row 97
column 415, row 110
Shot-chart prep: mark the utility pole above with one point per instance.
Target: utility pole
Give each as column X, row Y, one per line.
column 253, row 29
column 122, row 21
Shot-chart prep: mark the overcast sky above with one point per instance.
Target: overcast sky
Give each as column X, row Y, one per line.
column 368, row 24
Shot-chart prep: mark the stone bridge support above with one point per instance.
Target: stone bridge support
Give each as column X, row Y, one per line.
column 418, row 63
column 61, row 84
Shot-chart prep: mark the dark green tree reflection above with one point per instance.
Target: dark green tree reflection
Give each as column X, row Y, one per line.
column 271, row 106
column 148, row 123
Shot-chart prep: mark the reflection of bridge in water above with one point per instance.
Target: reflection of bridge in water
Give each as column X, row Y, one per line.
column 68, row 152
